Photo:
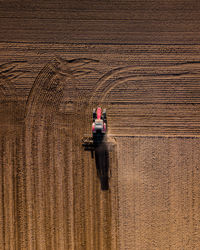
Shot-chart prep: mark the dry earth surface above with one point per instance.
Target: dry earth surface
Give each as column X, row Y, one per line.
column 141, row 61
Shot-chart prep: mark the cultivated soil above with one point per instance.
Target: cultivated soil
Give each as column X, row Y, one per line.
column 140, row 61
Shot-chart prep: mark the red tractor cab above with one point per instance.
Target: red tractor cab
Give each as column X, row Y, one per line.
column 99, row 121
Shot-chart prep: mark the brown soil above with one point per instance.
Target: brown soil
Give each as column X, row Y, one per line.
column 50, row 194
column 138, row 59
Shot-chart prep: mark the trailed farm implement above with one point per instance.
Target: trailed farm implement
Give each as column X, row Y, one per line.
column 99, row 145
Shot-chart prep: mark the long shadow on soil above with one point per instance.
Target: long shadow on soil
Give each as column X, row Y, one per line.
column 102, row 160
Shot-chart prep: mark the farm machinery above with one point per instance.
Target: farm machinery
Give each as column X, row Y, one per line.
column 98, row 145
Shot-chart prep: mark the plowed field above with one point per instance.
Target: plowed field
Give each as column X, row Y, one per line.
column 50, row 194
column 141, row 61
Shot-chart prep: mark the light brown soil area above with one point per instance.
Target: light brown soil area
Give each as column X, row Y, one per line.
column 158, row 193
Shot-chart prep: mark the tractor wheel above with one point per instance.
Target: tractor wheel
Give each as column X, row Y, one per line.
column 104, row 115
column 94, row 115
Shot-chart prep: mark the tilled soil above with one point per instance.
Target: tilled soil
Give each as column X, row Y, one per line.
column 50, row 194
column 55, row 201
column 138, row 59
column 158, row 193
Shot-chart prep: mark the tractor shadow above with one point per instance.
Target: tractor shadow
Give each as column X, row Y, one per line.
column 102, row 160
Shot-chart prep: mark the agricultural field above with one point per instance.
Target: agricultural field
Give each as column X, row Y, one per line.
column 58, row 61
